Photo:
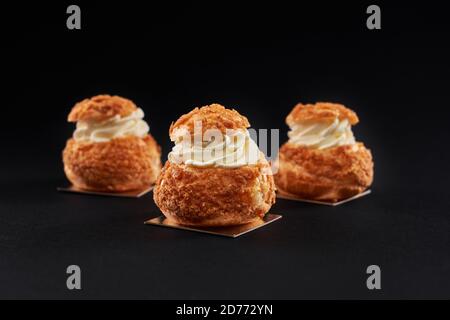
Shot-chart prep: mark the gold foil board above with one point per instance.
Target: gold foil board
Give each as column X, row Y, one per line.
column 286, row 196
column 232, row 232
column 128, row 194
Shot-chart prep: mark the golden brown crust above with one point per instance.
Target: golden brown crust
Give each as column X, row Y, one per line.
column 100, row 108
column 329, row 174
column 213, row 116
column 214, row 196
column 321, row 111
column 119, row 165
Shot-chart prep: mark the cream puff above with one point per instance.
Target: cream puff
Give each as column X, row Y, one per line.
column 111, row 149
column 215, row 174
column 322, row 160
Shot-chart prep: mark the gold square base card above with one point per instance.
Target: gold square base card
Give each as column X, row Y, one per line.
column 128, row 194
column 287, row 196
column 232, row 231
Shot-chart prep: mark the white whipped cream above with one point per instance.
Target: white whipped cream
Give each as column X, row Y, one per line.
column 231, row 150
column 116, row 127
column 321, row 135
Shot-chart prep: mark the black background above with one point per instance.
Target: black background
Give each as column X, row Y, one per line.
column 260, row 59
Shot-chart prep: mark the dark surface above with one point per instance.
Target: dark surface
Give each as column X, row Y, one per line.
column 261, row 61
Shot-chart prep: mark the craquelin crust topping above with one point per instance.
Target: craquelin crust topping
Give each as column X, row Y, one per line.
column 101, row 107
column 321, row 111
column 329, row 174
column 118, row 165
column 213, row 116
column 214, row 196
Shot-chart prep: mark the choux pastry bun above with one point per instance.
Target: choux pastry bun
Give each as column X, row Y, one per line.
column 322, row 161
column 111, row 149
column 215, row 174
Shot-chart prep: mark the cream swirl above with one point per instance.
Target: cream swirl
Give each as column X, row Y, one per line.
column 116, row 127
column 232, row 150
column 321, row 135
